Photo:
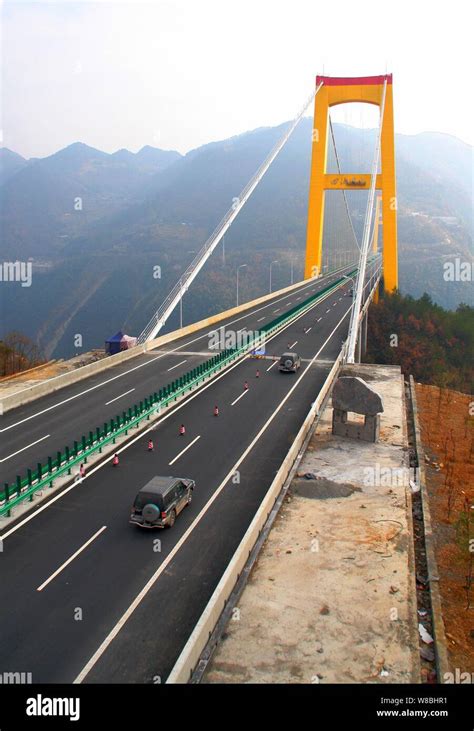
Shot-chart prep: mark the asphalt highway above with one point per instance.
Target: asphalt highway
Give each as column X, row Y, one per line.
column 31, row 433
column 84, row 595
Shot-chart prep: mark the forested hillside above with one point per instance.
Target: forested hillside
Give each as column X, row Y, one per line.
column 434, row 345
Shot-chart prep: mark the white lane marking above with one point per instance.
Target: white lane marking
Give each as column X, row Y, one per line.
column 153, row 579
column 23, row 448
column 177, row 365
column 327, row 311
column 335, row 303
column 121, row 396
column 277, row 310
column 288, row 303
column 66, row 563
column 262, row 318
column 307, row 331
column 293, row 344
column 168, row 415
column 151, row 360
column 319, row 319
column 87, row 390
column 239, row 397
column 183, row 451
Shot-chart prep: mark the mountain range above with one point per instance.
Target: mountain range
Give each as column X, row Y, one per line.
column 96, row 226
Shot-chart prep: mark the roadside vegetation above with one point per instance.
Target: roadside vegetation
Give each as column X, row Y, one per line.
column 434, row 345
column 18, row 353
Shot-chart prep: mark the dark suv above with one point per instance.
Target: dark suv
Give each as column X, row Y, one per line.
column 158, row 503
column 289, row 362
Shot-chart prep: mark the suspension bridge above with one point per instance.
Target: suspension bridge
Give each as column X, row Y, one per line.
column 85, row 554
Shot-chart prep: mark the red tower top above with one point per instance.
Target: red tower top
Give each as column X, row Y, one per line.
column 353, row 80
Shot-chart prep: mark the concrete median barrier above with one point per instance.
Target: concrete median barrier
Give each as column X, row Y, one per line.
column 67, row 379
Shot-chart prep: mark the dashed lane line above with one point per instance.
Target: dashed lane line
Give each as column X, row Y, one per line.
column 183, row 451
column 121, row 396
column 177, row 365
column 66, row 563
column 239, row 397
column 23, row 448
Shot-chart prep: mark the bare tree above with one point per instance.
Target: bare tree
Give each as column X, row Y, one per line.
column 18, row 353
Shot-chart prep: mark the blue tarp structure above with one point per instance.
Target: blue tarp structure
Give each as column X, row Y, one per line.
column 119, row 342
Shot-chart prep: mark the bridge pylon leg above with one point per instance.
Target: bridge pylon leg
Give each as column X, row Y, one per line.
column 389, row 196
column 314, row 234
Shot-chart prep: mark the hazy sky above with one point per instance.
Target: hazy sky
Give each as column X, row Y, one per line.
column 179, row 73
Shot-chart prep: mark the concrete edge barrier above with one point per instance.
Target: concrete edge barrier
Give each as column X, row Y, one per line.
column 189, row 657
column 19, row 398
column 442, row 662
column 20, row 374
column 413, row 618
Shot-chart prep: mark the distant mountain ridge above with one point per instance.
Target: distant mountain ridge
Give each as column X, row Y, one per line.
column 93, row 266
column 10, row 163
column 47, row 200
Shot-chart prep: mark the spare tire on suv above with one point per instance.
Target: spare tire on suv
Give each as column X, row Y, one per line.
column 289, row 362
column 151, row 512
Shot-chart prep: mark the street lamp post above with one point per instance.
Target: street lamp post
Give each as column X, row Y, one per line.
column 242, row 266
column 271, row 265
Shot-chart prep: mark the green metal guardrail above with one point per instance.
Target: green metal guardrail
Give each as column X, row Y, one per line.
column 24, row 488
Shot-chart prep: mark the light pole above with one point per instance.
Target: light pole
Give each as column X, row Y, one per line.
column 273, row 262
column 242, row 266
column 181, row 304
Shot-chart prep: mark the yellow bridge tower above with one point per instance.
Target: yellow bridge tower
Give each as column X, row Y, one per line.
column 366, row 89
